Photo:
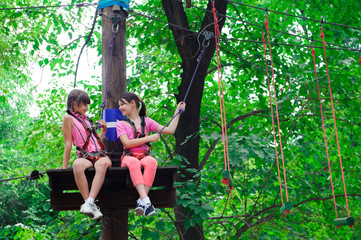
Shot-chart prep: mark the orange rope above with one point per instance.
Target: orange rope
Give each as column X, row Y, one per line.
column 221, row 97
column 324, row 130
column 334, row 120
column 273, row 123
column 278, row 119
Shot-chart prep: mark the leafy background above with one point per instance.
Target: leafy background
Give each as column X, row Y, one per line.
column 50, row 39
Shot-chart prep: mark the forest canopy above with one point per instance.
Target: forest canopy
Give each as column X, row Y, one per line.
column 40, row 41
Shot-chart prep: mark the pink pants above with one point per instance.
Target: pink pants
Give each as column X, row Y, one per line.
column 134, row 165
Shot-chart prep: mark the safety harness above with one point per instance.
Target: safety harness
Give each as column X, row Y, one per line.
column 90, row 130
column 137, row 134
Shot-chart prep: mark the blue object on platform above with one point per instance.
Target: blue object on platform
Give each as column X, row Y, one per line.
column 107, row 3
column 112, row 116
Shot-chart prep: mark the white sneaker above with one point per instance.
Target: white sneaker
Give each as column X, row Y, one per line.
column 97, row 213
column 87, row 209
column 149, row 210
column 91, row 210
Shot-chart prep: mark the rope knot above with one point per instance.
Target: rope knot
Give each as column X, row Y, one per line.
column 322, row 36
column 313, row 52
column 225, row 181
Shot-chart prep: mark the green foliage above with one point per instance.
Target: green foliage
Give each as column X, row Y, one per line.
column 49, row 38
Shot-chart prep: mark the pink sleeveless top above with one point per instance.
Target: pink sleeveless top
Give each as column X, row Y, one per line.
column 123, row 128
column 79, row 135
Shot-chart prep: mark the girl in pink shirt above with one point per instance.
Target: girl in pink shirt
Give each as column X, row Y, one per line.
column 135, row 139
column 77, row 130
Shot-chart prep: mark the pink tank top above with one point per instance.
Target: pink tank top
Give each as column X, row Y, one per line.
column 79, row 135
column 123, row 128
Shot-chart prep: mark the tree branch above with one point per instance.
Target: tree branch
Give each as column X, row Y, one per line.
column 86, row 43
column 230, row 123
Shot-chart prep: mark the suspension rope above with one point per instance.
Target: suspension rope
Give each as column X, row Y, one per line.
column 226, row 175
column 324, row 130
column 278, row 120
column 205, row 45
column 334, row 119
column 273, row 123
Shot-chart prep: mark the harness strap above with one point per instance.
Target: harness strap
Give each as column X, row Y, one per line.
column 92, row 156
column 136, row 133
column 136, row 155
column 89, row 130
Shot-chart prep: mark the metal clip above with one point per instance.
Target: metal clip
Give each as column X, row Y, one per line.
column 207, row 36
column 115, row 28
column 116, row 18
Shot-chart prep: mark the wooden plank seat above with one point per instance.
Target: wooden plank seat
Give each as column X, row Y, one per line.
column 117, row 191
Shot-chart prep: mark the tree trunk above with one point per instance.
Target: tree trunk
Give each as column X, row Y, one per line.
column 189, row 48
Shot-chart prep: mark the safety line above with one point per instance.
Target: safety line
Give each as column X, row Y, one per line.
column 324, row 131
column 334, row 120
column 278, row 119
column 273, row 123
column 229, row 181
column 189, row 87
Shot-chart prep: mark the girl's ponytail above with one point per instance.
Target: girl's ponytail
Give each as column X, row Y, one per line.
column 143, row 109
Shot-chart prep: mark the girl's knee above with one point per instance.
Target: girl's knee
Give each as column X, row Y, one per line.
column 131, row 162
column 149, row 162
column 81, row 164
column 103, row 163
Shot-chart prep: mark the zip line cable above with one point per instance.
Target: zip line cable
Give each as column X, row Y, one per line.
column 291, row 45
column 159, row 20
column 275, row 30
column 247, row 5
column 341, row 48
column 52, row 6
column 291, row 15
column 35, row 174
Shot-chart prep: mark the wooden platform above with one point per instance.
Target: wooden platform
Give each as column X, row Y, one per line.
column 117, row 192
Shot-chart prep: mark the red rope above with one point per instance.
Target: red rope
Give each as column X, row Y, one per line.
column 324, row 130
column 221, row 97
column 334, row 120
column 273, row 123
column 278, row 119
